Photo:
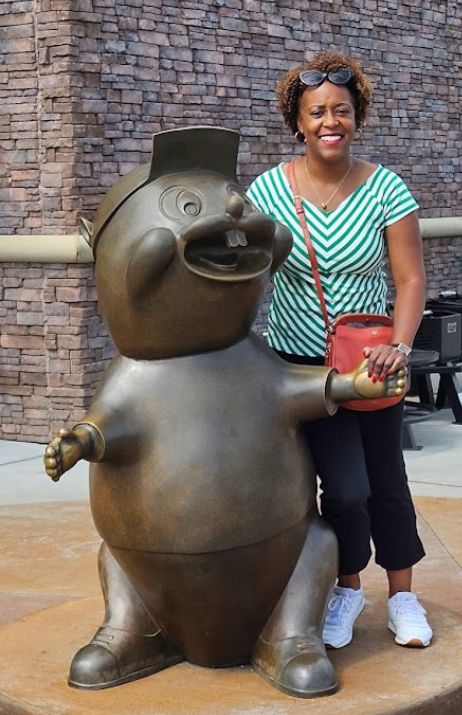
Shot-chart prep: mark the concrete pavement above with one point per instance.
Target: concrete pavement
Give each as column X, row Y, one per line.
column 51, row 604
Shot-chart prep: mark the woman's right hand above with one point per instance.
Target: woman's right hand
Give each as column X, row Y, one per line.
column 384, row 360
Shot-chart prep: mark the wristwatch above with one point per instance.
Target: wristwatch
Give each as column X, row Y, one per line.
column 403, row 348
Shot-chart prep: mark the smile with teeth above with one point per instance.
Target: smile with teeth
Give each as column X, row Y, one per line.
column 235, row 238
column 331, row 138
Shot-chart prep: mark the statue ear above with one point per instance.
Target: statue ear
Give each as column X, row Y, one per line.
column 195, row 149
column 85, row 229
column 282, row 245
column 150, row 257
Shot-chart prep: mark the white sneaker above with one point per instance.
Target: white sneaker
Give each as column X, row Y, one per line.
column 344, row 607
column 407, row 620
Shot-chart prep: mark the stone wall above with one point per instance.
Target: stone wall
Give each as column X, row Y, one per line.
column 85, row 83
column 443, row 265
column 53, row 348
column 37, row 110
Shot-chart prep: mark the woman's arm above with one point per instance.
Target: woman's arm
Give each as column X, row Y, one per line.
column 404, row 243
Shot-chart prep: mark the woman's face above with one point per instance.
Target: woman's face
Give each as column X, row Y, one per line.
column 327, row 119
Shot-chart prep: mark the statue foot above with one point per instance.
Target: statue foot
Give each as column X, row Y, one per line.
column 297, row 666
column 114, row 657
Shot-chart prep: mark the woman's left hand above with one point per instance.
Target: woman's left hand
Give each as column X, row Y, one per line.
column 384, row 360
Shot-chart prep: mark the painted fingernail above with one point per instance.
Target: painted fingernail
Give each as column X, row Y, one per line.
column 374, row 379
column 381, row 378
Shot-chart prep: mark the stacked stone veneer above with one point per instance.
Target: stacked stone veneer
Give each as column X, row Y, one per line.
column 53, row 348
column 85, row 83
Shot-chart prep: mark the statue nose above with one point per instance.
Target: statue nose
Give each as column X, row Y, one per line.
column 235, row 205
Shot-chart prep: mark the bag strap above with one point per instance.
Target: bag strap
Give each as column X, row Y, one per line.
column 314, row 261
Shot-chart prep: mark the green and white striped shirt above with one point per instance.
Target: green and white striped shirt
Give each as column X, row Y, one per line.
column 349, row 245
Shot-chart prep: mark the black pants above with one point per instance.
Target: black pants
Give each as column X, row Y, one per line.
column 359, row 460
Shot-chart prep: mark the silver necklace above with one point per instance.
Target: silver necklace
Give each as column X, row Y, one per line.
column 337, row 188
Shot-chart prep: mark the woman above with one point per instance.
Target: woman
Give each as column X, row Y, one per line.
column 354, row 210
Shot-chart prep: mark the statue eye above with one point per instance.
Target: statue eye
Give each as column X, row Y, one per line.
column 189, row 203
column 176, row 203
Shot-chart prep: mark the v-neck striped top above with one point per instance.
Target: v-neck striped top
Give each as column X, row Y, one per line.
column 350, row 246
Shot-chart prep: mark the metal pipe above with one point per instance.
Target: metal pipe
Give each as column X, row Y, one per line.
column 441, row 227
column 20, row 248
column 74, row 248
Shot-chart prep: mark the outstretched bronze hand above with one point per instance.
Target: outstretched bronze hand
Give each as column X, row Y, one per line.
column 68, row 447
column 357, row 384
column 390, row 386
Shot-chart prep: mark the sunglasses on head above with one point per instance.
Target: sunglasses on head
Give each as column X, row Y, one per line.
column 313, row 78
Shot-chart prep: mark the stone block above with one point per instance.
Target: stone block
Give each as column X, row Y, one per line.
column 20, row 342
column 71, row 295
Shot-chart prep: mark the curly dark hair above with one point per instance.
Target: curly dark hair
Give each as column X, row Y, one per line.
column 290, row 89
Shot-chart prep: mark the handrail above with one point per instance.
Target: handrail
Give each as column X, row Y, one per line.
column 445, row 227
column 73, row 248
column 66, row 248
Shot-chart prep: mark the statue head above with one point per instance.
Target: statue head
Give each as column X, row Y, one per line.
column 182, row 256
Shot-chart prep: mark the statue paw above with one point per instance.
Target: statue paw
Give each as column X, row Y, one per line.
column 61, row 454
column 391, row 386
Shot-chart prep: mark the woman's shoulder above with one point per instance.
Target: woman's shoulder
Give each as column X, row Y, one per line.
column 265, row 191
column 267, row 176
column 381, row 180
column 390, row 192
column 365, row 169
column 380, row 171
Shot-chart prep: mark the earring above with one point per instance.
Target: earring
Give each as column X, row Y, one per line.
column 360, row 133
column 299, row 136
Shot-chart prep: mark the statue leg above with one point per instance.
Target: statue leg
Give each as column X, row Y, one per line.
column 290, row 652
column 129, row 645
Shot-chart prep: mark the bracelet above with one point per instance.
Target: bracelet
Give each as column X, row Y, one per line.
column 403, row 348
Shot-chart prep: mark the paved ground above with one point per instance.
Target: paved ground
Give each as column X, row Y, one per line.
column 435, row 470
column 49, row 588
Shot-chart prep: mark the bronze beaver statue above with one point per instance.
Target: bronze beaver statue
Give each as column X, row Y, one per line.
column 200, row 484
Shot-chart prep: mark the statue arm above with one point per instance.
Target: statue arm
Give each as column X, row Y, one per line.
column 312, row 392
column 306, row 391
column 99, row 437
column 357, row 385
column 83, row 441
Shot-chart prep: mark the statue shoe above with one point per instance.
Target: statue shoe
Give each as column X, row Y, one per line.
column 297, row 666
column 114, row 657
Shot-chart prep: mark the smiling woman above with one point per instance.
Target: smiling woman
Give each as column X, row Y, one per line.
column 355, row 211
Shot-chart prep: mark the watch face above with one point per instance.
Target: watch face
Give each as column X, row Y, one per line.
column 404, row 348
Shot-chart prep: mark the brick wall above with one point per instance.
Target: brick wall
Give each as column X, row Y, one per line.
column 53, row 348
column 165, row 64
column 443, row 264
column 85, row 83
column 37, row 105
column 19, row 171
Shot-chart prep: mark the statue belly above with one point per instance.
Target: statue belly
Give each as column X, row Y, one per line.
column 219, row 464
column 211, row 495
